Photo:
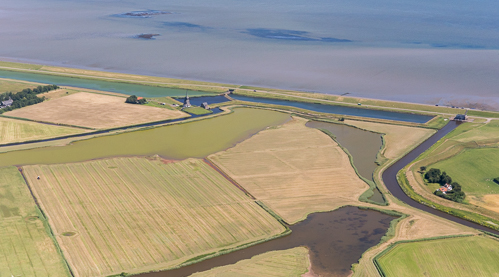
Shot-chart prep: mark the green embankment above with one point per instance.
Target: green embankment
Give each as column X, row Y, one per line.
column 26, row 247
column 468, row 137
column 197, row 110
column 461, row 256
column 283, row 263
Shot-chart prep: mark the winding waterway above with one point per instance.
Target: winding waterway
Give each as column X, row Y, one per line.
column 390, row 179
column 335, row 240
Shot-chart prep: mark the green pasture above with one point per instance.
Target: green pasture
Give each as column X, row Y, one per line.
column 26, row 248
column 457, row 257
column 197, row 110
column 474, row 170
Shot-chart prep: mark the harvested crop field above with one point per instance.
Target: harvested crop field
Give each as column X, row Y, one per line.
column 13, row 130
column 282, row 263
column 398, row 139
column 135, row 214
column 93, row 110
column 459, row 257
column 293, row 169
column 25, row 246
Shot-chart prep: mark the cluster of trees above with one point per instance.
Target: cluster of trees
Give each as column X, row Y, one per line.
column 25, row 97
column 135, row 100
column 434, row 175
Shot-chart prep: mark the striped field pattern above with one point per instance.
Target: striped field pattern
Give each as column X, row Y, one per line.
column 26, row 248
column 457, row 257
column 136, row 214
column 295, row 170
column 13, row 130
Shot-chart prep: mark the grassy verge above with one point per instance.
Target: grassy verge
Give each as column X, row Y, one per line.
column 441, row 256
column 26, row 246
column 197, row 110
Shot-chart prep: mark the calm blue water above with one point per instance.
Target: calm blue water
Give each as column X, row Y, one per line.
column 197, row 101
column 406, row 117
column 433, row 52
column 139, row 90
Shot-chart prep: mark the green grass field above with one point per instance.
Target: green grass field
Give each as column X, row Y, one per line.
column 14, row 86
column 25, row 246
column 474, row 169
column 13, row 130
column 196, row 110
column 283, row 263
column 136, row 214
column 457, row 257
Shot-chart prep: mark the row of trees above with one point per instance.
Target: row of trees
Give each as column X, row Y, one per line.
column 135, row 100
column 434, row 175
column 25, row 97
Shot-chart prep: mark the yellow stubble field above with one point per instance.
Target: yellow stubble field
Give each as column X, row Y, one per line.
column 293, row 169
column 136, row 214
column 94, row 110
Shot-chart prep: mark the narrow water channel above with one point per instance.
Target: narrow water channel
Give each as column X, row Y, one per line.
column 335, row 240
column 196, row 139
column 390, row 179
column 125, row 88
column 341, row 110
column 362, row 145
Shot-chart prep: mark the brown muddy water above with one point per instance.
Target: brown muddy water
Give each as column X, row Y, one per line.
column 362, row 145
column 196, row 139
column 336, row 240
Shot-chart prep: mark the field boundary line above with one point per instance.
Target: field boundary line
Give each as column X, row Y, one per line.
column 47, row 225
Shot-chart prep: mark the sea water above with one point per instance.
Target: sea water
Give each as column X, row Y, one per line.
column 435, row 52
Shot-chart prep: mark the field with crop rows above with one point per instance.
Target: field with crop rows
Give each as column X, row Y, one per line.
column 138, row 214
column 458, row 257
column 13, row 130
column 25, row 246
column 94, row 110
column 293, row 169
column 398, row 139
column 283, row 263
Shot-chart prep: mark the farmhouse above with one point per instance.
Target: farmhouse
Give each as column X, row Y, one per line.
column 445, row 188
column 7, row 103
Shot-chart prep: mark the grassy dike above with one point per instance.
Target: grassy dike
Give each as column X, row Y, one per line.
column 243, row 90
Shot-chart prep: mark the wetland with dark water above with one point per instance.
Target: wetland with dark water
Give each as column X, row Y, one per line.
column 335, row 240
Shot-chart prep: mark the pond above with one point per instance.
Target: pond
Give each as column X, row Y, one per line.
column 195, row 139
column 336, row 240
column 362, row 145
column 341, row 110
column 125, row 88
